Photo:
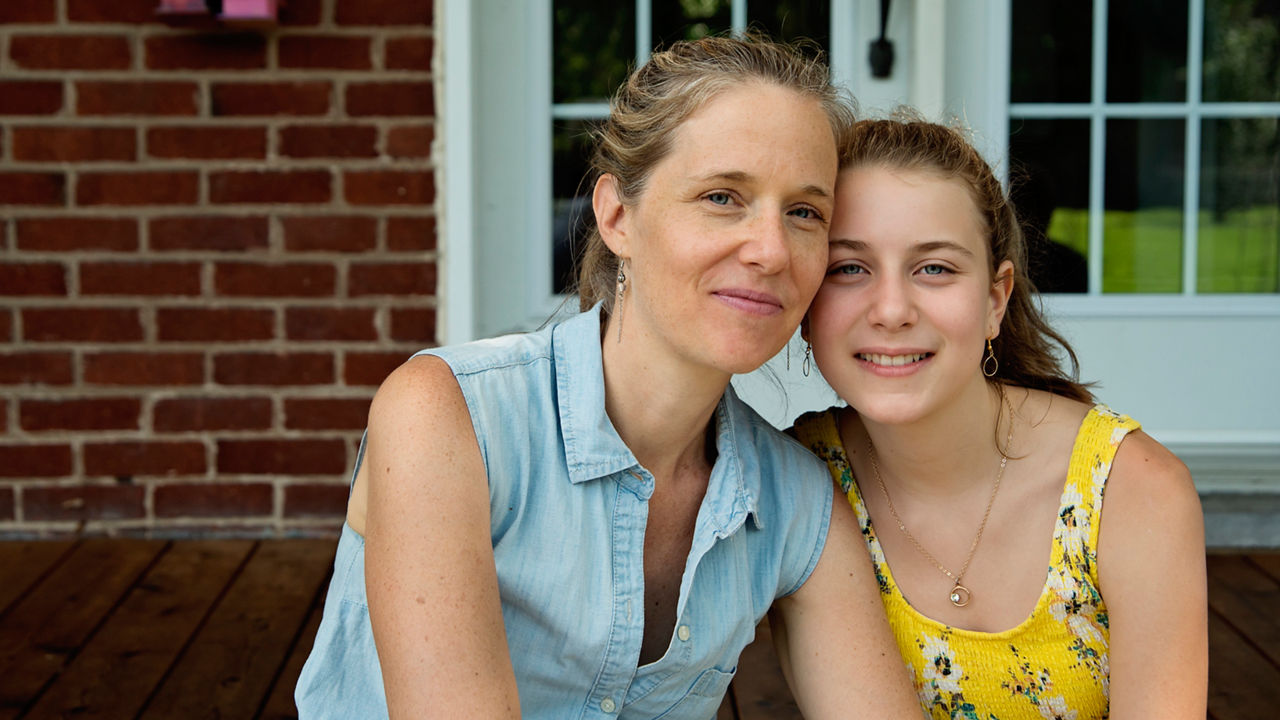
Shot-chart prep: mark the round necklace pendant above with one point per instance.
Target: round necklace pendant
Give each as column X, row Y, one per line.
column 959, row 595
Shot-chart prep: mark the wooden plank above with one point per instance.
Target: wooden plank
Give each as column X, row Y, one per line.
column 228, row 669
column 129, row 655
column 1269, row 562
column 1241, row 681
column 280, row 705
column 50, row 623
column 22, row 564
column 761, row 690
column 1248, row 599
column 728, row 708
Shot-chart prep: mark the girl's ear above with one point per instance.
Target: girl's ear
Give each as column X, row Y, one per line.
column 1001, row 291
column 611, row 215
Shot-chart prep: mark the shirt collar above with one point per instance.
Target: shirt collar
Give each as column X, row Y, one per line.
column 593, row 448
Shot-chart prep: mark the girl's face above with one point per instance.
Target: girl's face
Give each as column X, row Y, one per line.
column 900, row 324
column 726, row 245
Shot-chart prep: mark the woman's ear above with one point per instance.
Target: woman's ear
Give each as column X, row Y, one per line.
column 1001, row 291
column 804, row 328
column 611, row 215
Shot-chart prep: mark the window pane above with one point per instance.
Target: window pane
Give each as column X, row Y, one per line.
column 1050, row 187
column 571, row 204
column 594, row 44
column 1239, row 243
column 1241, row 51
column 1051, row 51
column 1147, row 51
column 1142, row 226
column 689, row 19
column 792, row 20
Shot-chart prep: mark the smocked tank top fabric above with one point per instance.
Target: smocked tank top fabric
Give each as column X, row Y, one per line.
column 1054, row 664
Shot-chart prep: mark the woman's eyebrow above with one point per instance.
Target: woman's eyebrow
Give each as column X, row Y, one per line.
column 745, row 177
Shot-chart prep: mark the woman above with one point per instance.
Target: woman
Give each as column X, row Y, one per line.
column 970, row 457
column 585, row 521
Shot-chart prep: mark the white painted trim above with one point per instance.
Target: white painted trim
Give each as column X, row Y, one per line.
column 1162, row 306
column 456, row 296
column 580, row 111
column 1191, row 150
column 1144, row 110
column 843, row 51
column 928, row 66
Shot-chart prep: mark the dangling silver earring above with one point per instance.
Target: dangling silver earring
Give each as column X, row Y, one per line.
column 990, row 365
column 808, row 355
column 788, row 346
column 618, row 295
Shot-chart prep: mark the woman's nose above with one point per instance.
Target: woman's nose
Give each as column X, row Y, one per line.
column 767, row 244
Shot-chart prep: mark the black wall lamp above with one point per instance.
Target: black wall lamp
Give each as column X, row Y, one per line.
column 881, row 55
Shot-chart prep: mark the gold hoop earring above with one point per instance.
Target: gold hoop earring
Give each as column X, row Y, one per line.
column 990, row 365
column 808, row 363
column 618, row 295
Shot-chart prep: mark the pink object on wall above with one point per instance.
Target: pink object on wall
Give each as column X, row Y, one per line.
column 182, row 7
column 249, row 9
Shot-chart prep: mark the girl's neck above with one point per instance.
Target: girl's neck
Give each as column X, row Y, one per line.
column 944, row 453
column 660, row 404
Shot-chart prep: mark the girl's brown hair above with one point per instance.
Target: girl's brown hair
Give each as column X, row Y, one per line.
column 661, row 94
column 1025, row 346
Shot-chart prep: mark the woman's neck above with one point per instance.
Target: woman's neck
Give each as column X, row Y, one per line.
column 660, row 405
column 943, row 453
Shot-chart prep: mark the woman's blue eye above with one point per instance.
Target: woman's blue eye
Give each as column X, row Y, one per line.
column 719, row 198
column 807, row 213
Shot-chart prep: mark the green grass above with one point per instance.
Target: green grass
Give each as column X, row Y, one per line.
column 1238, row 252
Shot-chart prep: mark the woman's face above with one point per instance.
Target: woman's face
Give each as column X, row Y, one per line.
column 726, row 244
column 900, row 324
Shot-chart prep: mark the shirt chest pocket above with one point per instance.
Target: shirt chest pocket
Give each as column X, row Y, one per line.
column 705, row 696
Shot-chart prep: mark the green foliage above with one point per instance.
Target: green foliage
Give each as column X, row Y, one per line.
column 1238, row 250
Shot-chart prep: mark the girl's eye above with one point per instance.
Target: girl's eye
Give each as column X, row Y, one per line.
column 935, row 270
column 847, row 270
column 719, row 198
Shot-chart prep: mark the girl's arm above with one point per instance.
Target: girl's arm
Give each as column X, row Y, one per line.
column 429, row 570
column 832, row 637
column 1151, row 568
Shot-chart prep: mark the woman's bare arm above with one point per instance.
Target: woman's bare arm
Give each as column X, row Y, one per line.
column 832, row 637
column 1151, row 568
column 429, row 569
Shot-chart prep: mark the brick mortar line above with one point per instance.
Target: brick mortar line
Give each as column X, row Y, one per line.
column 205, row 167
column 158, row 28
column 160, row 212
column 254, row 75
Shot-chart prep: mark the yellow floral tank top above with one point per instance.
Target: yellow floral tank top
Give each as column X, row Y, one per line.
column 1052, row 665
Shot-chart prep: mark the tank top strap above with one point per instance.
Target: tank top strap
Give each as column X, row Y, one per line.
column 818, row 431
column 1078, row 515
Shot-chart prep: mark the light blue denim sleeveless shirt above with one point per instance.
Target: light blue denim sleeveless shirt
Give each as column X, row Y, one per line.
column 568, row 508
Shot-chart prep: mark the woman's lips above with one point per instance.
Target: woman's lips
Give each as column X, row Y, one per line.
column 750, row 301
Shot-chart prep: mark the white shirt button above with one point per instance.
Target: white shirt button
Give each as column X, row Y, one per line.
column 608, row 705
column 683, row 633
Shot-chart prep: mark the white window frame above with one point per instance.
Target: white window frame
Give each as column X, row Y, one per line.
column 496, row 211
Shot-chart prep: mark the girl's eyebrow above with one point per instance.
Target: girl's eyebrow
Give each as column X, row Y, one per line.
column 923, row 247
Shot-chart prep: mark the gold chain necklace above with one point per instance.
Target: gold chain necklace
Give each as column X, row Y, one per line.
column 959, row 595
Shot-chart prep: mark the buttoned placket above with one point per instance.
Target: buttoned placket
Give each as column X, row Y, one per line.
column 628, row 523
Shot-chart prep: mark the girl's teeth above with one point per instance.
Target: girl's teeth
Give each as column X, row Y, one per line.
column 893, row 360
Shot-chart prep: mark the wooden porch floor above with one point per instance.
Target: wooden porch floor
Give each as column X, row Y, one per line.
column 114, row 628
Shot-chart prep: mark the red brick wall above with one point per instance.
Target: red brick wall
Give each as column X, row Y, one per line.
column 216, row 243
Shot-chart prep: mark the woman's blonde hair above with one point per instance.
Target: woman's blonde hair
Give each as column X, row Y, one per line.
column 661, row 94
